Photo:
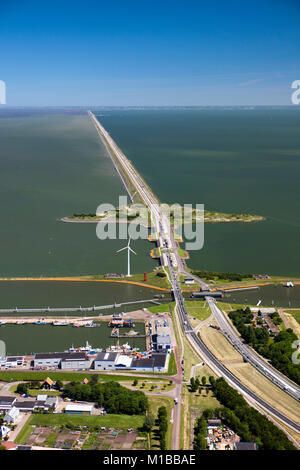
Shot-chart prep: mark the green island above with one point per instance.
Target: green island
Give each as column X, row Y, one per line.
column 178, row 216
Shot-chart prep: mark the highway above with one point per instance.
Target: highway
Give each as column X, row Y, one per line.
column 162, row 226
column 251, row 356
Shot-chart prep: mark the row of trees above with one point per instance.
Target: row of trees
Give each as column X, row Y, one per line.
column 195, row 384
column 245, row 421
column 110, row 395
column 220, row 275
column 200, row 434
column 278, row 350
column 162, row 421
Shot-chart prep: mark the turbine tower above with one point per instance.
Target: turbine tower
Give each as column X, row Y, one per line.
column 128, row 256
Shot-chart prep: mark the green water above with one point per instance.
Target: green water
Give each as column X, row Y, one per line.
column 270, row 296
column 27, row 339
column 52, row 166
column 232, row 161
column 41, row 294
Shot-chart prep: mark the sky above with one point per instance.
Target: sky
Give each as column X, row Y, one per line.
column 149, row 53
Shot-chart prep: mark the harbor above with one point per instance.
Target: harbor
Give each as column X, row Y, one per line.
column 26, row 336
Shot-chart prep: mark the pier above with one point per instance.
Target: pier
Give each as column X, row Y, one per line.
column 94, row 308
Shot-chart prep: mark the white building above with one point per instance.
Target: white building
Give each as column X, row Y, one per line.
column 123, row 362
column 189, row 280
column 79, row 409
column 105, row 360
column 12, row 415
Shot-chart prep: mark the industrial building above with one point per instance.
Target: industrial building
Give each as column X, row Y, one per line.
column 63, row 360
column 157, row 362
column 75, row 361
column 123, row 362
column 105, row 360
column 161, row 336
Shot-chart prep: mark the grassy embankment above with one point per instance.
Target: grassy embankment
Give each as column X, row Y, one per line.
column 245, row 372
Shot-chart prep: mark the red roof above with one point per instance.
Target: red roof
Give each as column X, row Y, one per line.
column 8, row 445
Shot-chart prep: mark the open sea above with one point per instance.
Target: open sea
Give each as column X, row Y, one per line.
column 53, row 164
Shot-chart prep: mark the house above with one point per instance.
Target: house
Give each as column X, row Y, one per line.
column 14, row 361
column 47, row 384
column 6, row 402
column 79, row 409
column 12, row 415
column 51, row 403
column 105, row 360
column 9, row 445
column 4, row 431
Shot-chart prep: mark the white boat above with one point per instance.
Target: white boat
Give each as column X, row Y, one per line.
column 60, row 323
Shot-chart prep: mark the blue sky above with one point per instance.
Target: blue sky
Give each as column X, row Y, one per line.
column 149, row 52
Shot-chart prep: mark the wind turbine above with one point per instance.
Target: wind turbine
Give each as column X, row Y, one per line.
column 128, row 256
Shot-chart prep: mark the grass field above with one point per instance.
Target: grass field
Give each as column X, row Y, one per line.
column 198, row 309
column 154, row 404
column 160, row 308
column 110, row 420
column 267, row 390
column 219, row 345
column 172, row 369
column 15, row 376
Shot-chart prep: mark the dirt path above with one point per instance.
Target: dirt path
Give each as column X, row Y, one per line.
column 283, row 318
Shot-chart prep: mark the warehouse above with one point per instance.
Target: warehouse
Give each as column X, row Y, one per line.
column 79, row 409
column 76, row 361
column 45, row 360
column 105, row 360
column 158, row 362
column 63, row 360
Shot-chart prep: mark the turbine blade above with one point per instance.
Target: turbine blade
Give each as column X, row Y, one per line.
column 125, row 248
column 130, row 249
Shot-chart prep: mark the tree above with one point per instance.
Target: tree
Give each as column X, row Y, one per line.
column 22, row 388
column 59, row 385
column 148, row 422
column 94, row 379
column 135, row 382
column 203, row 380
